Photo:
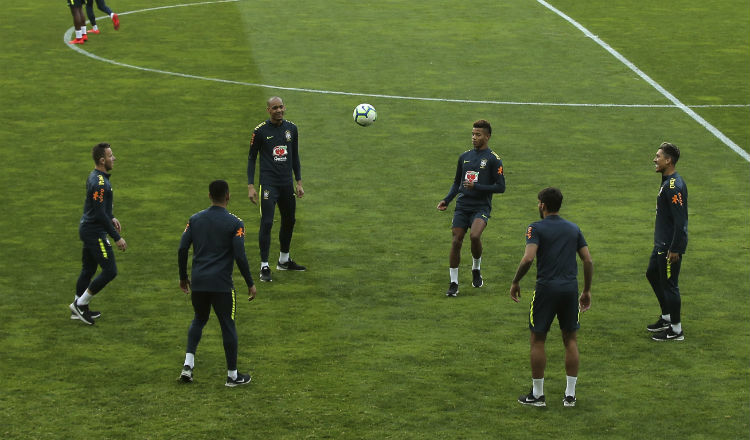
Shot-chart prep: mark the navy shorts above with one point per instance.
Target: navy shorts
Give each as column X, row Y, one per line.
column 546, row 305
column 464, row 217
column 74, row 3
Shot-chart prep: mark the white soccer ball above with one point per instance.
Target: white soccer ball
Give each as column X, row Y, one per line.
column 365, row 114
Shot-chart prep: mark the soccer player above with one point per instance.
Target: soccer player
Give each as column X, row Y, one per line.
column 670, row 242
column 479, row 174
column 97, row 221
column 218, row 240
column 104, row 8
column 79, row 21
column 275, row 141
column 555, row 241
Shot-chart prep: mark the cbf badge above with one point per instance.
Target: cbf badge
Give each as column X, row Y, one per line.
column 483, row 163
column 266, row 194
column 471, row 176
column 288, row 136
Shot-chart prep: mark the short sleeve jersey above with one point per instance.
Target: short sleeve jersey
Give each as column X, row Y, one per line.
column 97, row 209
column 671, row 225
column 558, row 242
column 218, row 240
column 278, row 149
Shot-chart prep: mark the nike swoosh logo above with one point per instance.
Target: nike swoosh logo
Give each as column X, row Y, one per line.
column 269, row 137
column 467, row 161
column 660, row 253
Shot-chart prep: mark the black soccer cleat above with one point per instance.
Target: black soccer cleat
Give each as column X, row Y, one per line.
column 476, row 278
column 265, row 274
column 290, row 265
column 452, row 290
column 242, row 379
column 659, row 326
column 187, row 374
column 82, row 312
column 529, row 399
column 569, row 401
column 669, row 335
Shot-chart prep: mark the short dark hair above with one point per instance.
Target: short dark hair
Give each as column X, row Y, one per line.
column 552, row 198
column 670, row 150
column 483, row 125
column 99, row 151
column 218, row 190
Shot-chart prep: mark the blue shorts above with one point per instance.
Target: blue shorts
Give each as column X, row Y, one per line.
column 464, row 217
column 546, row 305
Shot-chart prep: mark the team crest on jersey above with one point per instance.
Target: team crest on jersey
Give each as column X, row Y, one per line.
column 288, row 135
column 279, row 153
column 266, row 194
column 483, row 163
column 471, row 176
column 101, row 180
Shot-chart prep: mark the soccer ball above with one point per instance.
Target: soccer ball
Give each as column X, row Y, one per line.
column 365, row 114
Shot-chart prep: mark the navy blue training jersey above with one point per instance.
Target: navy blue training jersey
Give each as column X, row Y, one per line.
column 559, row 241
column 670, row 229
column 278, row 148
column 485, row 169
column 218, row 240
column 97, row 209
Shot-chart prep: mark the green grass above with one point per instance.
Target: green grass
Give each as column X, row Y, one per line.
column 364, row 344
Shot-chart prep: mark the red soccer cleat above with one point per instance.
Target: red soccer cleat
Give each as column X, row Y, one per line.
column 92, row 31
column 115, row 21
column 85, row 37
column 77, row 41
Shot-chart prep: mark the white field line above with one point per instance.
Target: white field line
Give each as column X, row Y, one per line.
column 676, row 103
column 728, row 142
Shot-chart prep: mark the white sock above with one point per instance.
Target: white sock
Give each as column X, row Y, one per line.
column 477, row 263
column 94, row 28
column 666, row 318
column 112, row 15
column 570, row 389
column 454, row 275
column 677, row 328
column 85, row 299
column 263, row 264
column 83, row 30
column 190, row 359
column 79, row 34
column 538, row 387
column 283, row 257
column 232, row 374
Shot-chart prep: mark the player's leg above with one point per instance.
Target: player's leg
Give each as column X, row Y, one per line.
column 477, row 227
column 225, row 307
column 538, row 359
column 268, row 197
column 99, row 250
column 91, row 16
column 103, row 7
column 670, row 273
column 568, row 316
column 88, row 269
column 458, row 232
column 201, row 312
column 79, row 22
column 657, row 264
column 105, row 258
column 287, row 210
column 541, row 314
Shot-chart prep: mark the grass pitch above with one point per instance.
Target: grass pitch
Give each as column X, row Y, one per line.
column 365, row 344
